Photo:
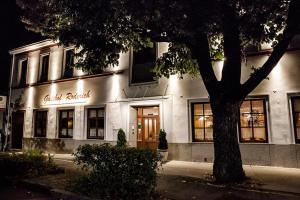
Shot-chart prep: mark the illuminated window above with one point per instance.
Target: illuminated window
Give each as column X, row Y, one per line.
column 253, row 121
column 69, row 63
column 44, row 68
column 23, row 70
column 143, row 64
column 40, row 124
column 66, row 123
column 202, row 122
column 296, row 117
column 95, row 123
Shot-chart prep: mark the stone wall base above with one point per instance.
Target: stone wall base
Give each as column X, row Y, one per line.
column 252, row 154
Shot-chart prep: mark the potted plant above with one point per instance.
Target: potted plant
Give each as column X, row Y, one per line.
column 163, row 145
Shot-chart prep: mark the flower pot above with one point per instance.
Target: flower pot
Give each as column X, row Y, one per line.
column 163, row 154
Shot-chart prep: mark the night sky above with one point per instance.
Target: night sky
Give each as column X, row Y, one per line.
column 13, row 34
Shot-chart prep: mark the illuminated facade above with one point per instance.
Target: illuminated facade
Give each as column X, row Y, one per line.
column 56, row 107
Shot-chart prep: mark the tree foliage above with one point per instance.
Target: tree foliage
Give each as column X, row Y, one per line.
column 198, row 33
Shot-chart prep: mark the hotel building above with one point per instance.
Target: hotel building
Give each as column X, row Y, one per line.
column 56, row 107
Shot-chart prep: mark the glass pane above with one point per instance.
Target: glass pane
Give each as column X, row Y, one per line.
column 93, row 113
column 100, row 122
column 70, row 114
column 198, row 109
column 70, row 132
column 100, row 113
column 297, row 119
column 70, row 124
column 260, row 134
column 296, row 103
column 64, row 123
column 63, row 132
column 258, row 106
column 150, row 111
column 258, row 120
column 245, row 107
column 199, row 122
column 150, row 129
column 93, row 123
column 199, row 134
column 38, row 131
column 207, row 109
column 64, row 114
column 101, row 133
column 246, row 134
column 93, row 132
column 139, row 129
column 208, row 122
column 246, row 120
column 298, row 133
column 146, row 128
column 209, row 134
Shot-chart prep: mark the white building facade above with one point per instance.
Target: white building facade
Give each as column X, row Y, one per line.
column 56, row 108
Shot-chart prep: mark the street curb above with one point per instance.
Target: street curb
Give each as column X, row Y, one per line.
column 240, row 188
column 55, row 193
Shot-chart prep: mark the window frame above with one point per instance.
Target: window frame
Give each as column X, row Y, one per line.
column 60, row 123
column 41, row 68
column 97, row 128
column 65, row 62
column 266, row 116
column 131, row 64
column 20, row 66
column 193, row 123
column 44, row 135
column 297, row 140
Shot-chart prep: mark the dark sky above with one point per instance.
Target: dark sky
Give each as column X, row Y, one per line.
column 12, row 34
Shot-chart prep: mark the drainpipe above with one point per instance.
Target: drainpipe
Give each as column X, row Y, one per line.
column 9, row 120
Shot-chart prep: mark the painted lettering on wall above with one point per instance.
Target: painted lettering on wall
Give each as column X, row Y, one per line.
column 67, row 98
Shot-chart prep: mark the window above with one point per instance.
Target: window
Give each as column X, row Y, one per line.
column 296, row 117
column 202, row 122
column 66, row 123
column 40, row 124
column 253, row 121
column 44, row 67
column 69, row 64
column 23, row 66
column 143, row 64
column 95, row 123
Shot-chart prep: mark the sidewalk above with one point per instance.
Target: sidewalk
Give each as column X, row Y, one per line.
column 286, row 180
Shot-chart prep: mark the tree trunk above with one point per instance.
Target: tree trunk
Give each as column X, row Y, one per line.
column 228, row 163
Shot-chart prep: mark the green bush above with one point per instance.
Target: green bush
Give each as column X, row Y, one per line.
column 116, row 173
column 27, row 164
column 121, row 142
column 162, row 143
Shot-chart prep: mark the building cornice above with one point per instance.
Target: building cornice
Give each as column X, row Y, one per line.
column 33, row 46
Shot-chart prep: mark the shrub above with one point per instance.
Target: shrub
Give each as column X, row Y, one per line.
column 121, row 142
column 116, row 173
column 162, row 143
column 27, row 164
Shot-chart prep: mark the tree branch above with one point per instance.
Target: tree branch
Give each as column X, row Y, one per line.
column 200, row 51
column 292, row 28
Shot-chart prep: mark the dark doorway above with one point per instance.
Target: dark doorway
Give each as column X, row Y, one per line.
column 17, row 129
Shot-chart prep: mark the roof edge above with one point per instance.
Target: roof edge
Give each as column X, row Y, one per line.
column 33, row 46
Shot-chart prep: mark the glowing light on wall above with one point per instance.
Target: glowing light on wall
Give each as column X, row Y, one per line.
column 53, row 89
column 33, row 65
column 173, row 83
column 80, row 86
column 218, row 67
column 115, row 89
column 55, row 66
column 30, row 97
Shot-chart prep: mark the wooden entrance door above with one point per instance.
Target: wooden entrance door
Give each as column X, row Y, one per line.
column 148, row 128
column 17, row 130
